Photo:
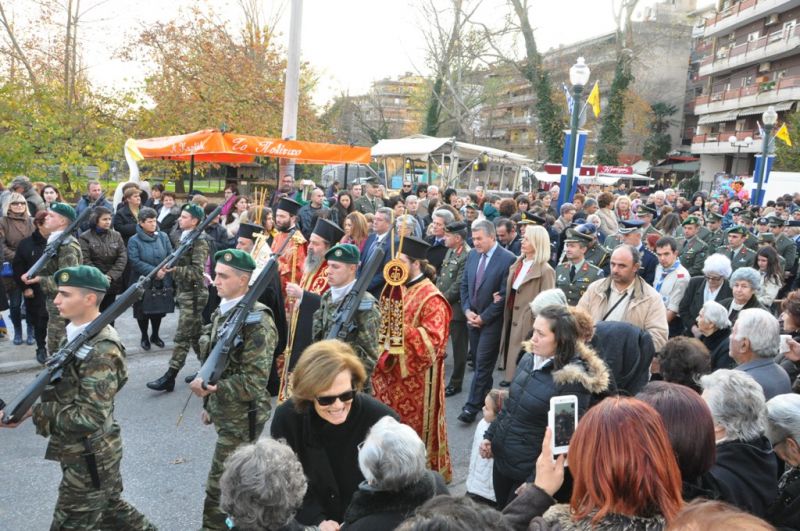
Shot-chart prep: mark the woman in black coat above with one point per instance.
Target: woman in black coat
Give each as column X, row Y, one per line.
column 324, row 422
column 714, row 282
column 570, row 368
column 125, row 219
column 103, row 248
column 28, row 252
column 715, row 330
column 745, row 283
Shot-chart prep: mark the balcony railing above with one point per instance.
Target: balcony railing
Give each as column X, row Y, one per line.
column 759, row 49
column 724, row 136
column 731, row 11
column 749, row 90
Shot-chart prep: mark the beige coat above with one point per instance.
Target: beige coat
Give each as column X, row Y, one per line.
column 518, row 321
column 645, row 308
column 608, row 221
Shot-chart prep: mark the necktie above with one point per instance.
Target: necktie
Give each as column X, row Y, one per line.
column 479, row 273
column 685, row 243
column 572, row 273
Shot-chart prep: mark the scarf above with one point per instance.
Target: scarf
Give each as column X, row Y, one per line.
column 665, row 273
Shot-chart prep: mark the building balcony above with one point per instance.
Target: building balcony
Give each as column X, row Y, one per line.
column 510, row 121
column 744, row 12
column 778, row 44
column 719, row 144
column 765, row 93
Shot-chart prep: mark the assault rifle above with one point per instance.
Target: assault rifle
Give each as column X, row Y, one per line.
column 344, row 320
column 77, row 348
column 51, row 249
column 228, row 336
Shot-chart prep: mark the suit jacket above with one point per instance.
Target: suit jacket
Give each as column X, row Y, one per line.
column 647, row 270
column 692, row 301
column 376, row 284
column 772, row 378
column 495, row 276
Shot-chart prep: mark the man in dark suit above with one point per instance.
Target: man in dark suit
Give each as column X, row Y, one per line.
column 631, row 233
column 485, row 275
column 381, row 235
column 507, row 235
column 440, row 219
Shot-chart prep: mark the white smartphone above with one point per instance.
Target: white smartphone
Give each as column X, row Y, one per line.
column 563, row 419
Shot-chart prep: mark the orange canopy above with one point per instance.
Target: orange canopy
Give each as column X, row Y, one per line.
column 211, row 145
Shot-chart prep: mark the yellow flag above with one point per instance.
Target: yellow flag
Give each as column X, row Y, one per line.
column 594, row 99
column 783, row 134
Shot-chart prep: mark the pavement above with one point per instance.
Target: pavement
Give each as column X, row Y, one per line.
column 164, row 465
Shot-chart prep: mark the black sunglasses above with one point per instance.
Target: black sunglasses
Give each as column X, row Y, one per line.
column 347, row 396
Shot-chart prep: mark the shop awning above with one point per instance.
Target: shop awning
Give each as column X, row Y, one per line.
column 759, row 109
column 717, row 117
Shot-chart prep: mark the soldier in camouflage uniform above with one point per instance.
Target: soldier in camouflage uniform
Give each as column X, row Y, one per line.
column 737, row 253
column 59, row 217
column 342, row 264
column 692, row 252
column 449, row 283
column 238, row 405
column 716, row 236
column 192, row 296
column 575, row 275
column 77, row 415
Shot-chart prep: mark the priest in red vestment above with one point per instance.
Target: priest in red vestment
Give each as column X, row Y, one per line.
column 411, row 380
column 290, row 263
column 306, row 296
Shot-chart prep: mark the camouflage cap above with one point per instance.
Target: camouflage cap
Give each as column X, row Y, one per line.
column 196, row 211
column 83, row 276
column 236, row 258
column 346, row 253
column 63, row 209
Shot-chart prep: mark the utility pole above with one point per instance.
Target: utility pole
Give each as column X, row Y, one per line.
column 291, row 94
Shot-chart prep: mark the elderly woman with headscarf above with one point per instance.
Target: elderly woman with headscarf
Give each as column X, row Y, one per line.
column 262, row 487
column 712, row 285
column 745, row 466
column 715, row 333
column 392, row 459
column 745, row 284
column 783, row 430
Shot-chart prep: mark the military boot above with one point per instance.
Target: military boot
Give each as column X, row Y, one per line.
column 165, row 383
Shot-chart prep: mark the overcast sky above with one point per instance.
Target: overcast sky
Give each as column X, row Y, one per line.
column 349, row 43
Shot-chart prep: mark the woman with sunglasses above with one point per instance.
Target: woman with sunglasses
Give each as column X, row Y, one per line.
column 324, row 422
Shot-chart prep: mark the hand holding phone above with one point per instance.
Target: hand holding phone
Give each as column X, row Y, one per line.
column 562, row 421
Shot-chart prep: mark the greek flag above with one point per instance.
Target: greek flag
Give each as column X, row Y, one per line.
column 563, row 197
column 570, row 101
column 757, row 176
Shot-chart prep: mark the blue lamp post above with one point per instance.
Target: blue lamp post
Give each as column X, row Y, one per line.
column 769, row 118
column 578, row 77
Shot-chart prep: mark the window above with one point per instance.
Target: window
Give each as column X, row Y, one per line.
column 753, row 36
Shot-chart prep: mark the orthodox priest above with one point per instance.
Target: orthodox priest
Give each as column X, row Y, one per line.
column 290, row 263
column 306, row 297
column 410, row 379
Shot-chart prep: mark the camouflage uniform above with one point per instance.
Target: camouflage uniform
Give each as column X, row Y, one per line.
column 596, row 255
column 585, row 275
column 77, row 414
column 242, row 387
column 449, row 283
column 365, row 338
column 192, row 297
column 744, row 257
column 693, row 255
column 69, row 254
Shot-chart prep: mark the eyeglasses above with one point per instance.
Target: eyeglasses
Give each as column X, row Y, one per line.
column 347, row 396
column 406, row 186
column 17, row 203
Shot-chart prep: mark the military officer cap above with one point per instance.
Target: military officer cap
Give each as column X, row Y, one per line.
column 737, row 229
column 414, row 248
column 746, row 216
column 766, row 237
column 793, row 223
column 646, row 210
column 775, row 221
column 63, row 209
column 630, row 225
column 290, row 206
column 247, row 230
column 574, row 236
column 457, row 227
column 83, row 276
column 328, row 231
column 346, row 253
column 532, row 218
column 691, row 220
column 473, row 206
column 762, row 221
column 736, row 210
column 194, row 210
column 713, row 216
column 236, row 258
column 372, row 180
column 589, row 229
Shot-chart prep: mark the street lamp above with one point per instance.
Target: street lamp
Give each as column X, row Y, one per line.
column 769, row 118
column 578, row 77
column 739, row 144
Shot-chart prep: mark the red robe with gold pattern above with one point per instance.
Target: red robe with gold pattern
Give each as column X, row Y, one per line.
column 290, row 263
column 413, row 383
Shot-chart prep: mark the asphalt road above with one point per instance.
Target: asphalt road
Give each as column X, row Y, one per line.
column 164, row 466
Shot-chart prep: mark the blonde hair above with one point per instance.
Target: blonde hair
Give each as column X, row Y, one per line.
column 537, row 236
column 12, row 198
column 318, row 367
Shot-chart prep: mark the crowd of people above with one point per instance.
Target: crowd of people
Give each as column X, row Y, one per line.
column 672, row 318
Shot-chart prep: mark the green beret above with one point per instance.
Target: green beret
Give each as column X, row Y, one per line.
column 346, row 253
column 194, row 210
column 236, row 258
column 64, row 210
column 737, row 229
column 82, row 276
column 691, row 220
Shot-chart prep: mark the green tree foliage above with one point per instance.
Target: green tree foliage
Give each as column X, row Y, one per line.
column 658, row 144
column 787, row 158
column 611, row 139
column 551, row 121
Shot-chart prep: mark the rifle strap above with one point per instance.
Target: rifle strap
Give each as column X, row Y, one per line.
column 91, row 462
